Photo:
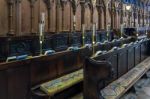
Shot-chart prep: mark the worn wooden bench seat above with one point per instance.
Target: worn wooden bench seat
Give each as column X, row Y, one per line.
column 117, row 88
column 62, row 83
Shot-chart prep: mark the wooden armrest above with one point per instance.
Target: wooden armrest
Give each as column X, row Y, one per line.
column 117, row 88
column 62, row 83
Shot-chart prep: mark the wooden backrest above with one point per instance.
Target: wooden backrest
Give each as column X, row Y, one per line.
column 94, row 80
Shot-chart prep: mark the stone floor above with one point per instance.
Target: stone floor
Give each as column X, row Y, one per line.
column 142, row 90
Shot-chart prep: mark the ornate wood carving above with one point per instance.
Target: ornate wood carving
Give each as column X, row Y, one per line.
column 32, row 2
column 10, row 17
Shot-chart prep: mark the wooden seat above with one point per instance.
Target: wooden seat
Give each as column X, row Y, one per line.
column 62, row 83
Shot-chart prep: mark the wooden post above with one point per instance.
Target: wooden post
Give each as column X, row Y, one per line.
column 10, row 18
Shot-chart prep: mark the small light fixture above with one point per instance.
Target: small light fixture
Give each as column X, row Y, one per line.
column 128, row 7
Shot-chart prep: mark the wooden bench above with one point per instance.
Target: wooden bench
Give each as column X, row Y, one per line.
column 119, row 87
column 120, row 61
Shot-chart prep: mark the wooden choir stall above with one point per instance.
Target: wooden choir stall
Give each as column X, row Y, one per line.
column 74, row 49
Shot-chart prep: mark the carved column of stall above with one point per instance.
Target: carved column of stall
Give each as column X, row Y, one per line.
column 74, row 4
column 58, row 4
column 111, row 13
column 10, row 17
column 92, row 7
column 139, row 17
column 121, row 13
column 99, row 16
column 82, row 3
column 92, row 12
column 62, row 2
column 104, row 10
column 149, row 18
column 32, row 2
column 118, row 13
column 146, row 15
column 138, row 13
column 143, row 17
column 114, row 16
column 48, row 5
column 134, row 16
column 129, row 18
column 18, row 17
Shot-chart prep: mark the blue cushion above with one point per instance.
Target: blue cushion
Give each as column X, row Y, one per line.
column 73, row 48
column 21, row 57
column 49, row 52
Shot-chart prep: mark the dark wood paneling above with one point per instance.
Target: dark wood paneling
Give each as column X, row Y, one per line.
column 3, row 85
column 122, row 63
column 18, row 82
column 131, row 58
